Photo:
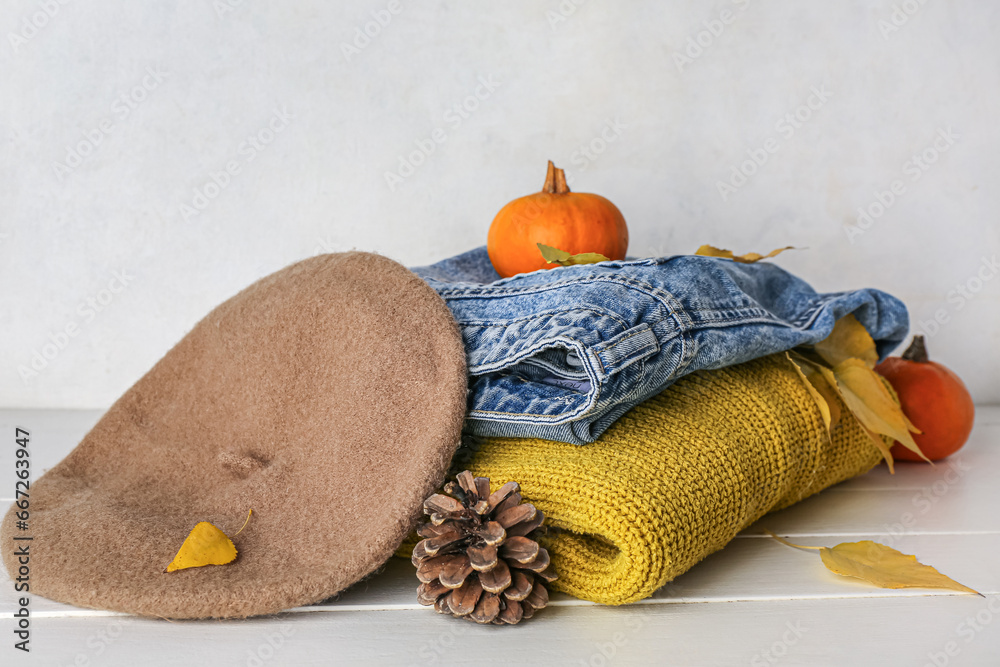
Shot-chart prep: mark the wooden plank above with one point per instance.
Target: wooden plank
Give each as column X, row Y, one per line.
column 869, row 631
column 749, row 568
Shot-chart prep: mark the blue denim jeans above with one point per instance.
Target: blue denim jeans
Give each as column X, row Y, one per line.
column 561, row 354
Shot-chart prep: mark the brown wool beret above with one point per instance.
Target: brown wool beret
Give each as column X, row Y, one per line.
column 328, row 397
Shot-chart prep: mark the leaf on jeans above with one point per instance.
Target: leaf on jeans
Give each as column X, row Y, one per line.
column 880, row 565
column 749, row 258
column 205, row 545
column 563, row 258
column 866, row 396
column 848, row 340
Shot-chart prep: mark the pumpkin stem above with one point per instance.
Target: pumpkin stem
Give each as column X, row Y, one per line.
column 555, row 180
column 917, row 351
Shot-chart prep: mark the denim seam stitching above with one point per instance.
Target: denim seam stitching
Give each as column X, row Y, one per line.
column 548, row 313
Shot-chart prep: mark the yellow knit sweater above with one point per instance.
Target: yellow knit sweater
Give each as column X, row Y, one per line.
column 677, row 477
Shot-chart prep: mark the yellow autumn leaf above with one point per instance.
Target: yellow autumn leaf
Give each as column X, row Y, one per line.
column 818, row 387
column 748, row 258
column 205, row 545
column 849, row 339
column 563, row 258
column 867, row 397
column 880, row 565
column 877, row 440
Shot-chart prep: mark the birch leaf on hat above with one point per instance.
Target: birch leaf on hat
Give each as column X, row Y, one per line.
column 880, row 565
column 563, row 258
column 205, row 545
column 748, row 258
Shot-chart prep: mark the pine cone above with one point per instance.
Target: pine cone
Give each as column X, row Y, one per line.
column 478, row 560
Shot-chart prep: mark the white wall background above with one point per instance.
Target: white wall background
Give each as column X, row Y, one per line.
column 93, row 183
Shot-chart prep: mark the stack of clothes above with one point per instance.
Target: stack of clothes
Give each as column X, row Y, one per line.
column 647, row 407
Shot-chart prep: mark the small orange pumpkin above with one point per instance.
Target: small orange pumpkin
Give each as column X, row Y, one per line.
column 576, row 222
column 933, row 398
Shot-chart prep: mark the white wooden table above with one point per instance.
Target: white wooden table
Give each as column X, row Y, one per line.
column 755, row 602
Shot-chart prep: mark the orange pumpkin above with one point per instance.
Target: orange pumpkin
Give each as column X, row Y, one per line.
column 933, row 398
column 576, row 222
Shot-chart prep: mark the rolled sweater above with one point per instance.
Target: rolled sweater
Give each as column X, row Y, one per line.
column 676, row 477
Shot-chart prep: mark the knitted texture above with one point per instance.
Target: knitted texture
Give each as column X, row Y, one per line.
column 677, row 477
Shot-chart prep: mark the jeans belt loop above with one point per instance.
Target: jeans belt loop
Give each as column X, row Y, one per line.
column 623, row 350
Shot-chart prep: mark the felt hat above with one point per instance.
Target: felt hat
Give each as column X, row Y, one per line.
column 327, row 397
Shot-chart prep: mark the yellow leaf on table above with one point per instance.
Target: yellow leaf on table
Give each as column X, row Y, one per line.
column 205, row 545
column 849, row 339
column 880, row 565
column 748, row 258
column 563, row 258
column 873, row 405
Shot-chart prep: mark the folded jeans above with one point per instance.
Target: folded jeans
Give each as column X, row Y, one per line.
column 561, row 354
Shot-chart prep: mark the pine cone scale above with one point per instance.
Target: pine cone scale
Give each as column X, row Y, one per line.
column 501, row 494
column 442, row 504
column 493, row 533
column 462, row 601
column 525, row 527
column 483, row 558
column 496, row 580
column 520, row 586
column 486, row 609
column 516, row 515
column 521, row 549
column 511, row 614
column 454, row 572
column 540, row 562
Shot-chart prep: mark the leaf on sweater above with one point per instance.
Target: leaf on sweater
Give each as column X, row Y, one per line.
column 205, row 545
column 563, row 258
column 867, row 397
column 819, row 388
column 748, row 258
column 880, row 565
column 848, row 340
column 842, row 365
